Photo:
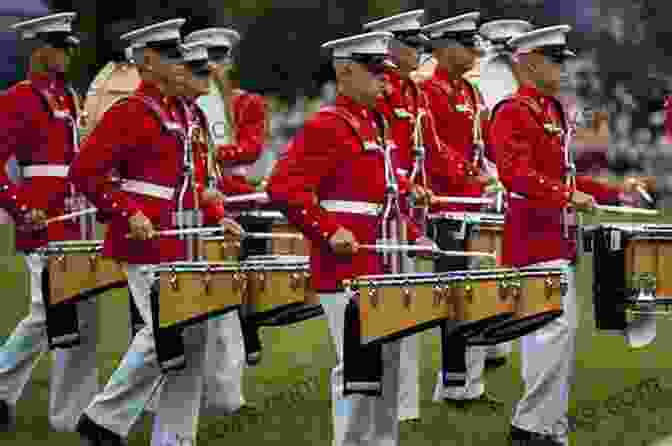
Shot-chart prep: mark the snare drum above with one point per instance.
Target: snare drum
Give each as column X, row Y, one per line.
column 536, row 295
column 480, row 231
column 277, row 283
column 630, row 261
column 190, row 292
column 279, row 224
column 221, row 248
column 76, row 269
column 393, row 306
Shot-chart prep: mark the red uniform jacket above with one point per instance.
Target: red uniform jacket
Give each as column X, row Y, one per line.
column 130, row 139
column 326, row 161
column 668, row 117
column 30, row 132
column 525, row 132
column 453, row 104
column 401, row 104
column 251, row 127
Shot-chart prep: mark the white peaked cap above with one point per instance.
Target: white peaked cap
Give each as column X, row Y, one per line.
column 374, row 43
column 504, row 29
column 464, row 22
column 550, row 36
column 168, row 30
column 215, row 37
column 408, row 21
column 61, row 22
column 195, row 51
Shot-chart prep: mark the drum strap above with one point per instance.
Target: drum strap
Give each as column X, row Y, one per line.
column 362, row 364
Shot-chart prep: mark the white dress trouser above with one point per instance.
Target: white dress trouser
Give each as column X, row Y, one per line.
column 74, row 373
column 361, row 420
column 122, row 402
column 498, row 351
column 474, row 386
column 409, row 373
column 548, row 362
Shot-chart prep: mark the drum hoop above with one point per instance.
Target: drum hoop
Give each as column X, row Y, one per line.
column 274, row 215
column 71, row 246
column 458, row 276
column 632, row 228
column 475, row 217
column 214, row 267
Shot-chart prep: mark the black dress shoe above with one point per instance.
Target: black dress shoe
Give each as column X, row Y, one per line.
column 5, row 417
column 521, row 437
column 94, row 435
column 495, row 363
column 485, row 400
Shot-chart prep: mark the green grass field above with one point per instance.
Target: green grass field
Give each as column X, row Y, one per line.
column 605, row 367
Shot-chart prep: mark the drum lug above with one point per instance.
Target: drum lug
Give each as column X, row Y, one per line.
column 564, row 285
column 306, row 280
column 93, row 262
column 295, row 281
column 437, row 292
column 504, row 290
column 239, row 282
column 615, row 240
column 173, row 281
column 262, row 281
column 61, row 261
column 207, row 279
column 461, row 234
column 373, row 294
column 408, row 294
column 548, row 287
column 469, row 289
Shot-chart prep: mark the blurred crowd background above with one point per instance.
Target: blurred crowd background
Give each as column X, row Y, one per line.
column 624, row 65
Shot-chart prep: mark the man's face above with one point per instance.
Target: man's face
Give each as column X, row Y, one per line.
column 53, row 59
column 547, row 71
column 367, row 79
column 192, row 80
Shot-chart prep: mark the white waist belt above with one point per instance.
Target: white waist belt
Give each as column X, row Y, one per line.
column 352, row 207
column 515, row 195
column 46, row 170
column 238, row 170
column 149, row 189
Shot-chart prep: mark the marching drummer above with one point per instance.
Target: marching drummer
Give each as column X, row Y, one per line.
column 344, row 141
column 405, row 106
column 527, row 133
column 40, row 119
column 460, row 116
column 137, row 137
column 239, row 125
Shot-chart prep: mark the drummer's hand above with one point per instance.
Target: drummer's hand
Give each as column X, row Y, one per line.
column 231, row 226
column 583, row 202
column 632, row 184
column 141, row 227
column 35, row 220
column 422, row 196
column 343, row 242
column 483, row 180
column 212, row 196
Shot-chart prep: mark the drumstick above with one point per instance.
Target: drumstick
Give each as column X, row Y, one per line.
column 71, row 215
column 216, row 229
column 461, row 200
column 644, row 194
column 258, row 196
column 428, row 248
column 627, row 210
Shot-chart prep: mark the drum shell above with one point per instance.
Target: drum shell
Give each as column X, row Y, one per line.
column 220, row 249
column 77, row 269
column 192, row 295
column 538, row 295
column 270, row 288
column 480, row 300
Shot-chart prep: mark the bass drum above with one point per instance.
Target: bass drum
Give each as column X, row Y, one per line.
column 116, row 80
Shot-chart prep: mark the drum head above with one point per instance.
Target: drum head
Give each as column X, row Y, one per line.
column 496, row 81
column 114, row 81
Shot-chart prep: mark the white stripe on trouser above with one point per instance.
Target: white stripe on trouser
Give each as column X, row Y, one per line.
column 74, row 374
column 548, row 362
column 361, row 420
column 121, row 403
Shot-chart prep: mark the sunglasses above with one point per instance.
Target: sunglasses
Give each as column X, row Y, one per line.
column 199, row 69
column 374, row 64
column 468, row 39
column 219, row 54
column 60, row 40
column 169, row 51
column 413, row 39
